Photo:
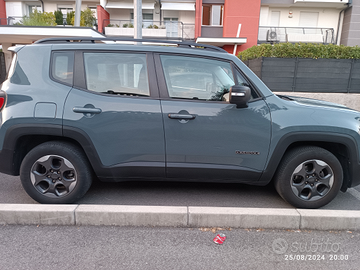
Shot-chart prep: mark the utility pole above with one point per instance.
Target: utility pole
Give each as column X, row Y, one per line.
column 137, row 19
column 77, row 13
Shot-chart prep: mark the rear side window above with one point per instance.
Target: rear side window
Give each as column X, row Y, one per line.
column 117, row 73
column 62, row 69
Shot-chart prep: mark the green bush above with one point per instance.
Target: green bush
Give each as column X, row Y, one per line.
column 59, row 17
column 38, row 18
column 128, row 25
column 89, row 18
column 301, row 50
column 69, row 17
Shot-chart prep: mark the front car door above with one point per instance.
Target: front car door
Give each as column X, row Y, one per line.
column 207, row 138
column 114, row 112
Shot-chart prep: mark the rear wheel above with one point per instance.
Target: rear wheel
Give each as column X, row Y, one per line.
column 309, row 177
column 56, row 172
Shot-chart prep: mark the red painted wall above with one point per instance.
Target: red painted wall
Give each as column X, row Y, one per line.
column 3, row 12
column 102, row 15
column 246, row 13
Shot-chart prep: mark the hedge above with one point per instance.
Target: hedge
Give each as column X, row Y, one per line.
column 301, row 50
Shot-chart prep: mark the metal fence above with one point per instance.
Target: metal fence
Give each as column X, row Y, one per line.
column 307, row 74
column 168, row 29
column 13, row 20
column 268, row 34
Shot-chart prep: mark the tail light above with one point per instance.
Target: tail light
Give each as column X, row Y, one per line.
column 2, row 99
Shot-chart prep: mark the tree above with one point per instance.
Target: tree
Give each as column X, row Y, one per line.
column 69, row 18
column 59, row 17
column 87, row 18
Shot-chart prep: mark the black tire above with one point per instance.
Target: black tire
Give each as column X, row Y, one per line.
column 56, row 172
column 309, row 177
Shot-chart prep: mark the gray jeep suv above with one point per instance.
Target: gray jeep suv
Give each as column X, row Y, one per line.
column 73, row 111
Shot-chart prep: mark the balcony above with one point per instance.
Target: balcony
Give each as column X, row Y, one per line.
column 212, row 31
column 18, row 21
column 272, row 35
column 153, row 29
column 12, row 20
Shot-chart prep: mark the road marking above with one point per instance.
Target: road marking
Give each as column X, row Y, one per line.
column 354, row 192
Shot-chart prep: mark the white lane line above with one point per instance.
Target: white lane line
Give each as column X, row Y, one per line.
column 354, row 192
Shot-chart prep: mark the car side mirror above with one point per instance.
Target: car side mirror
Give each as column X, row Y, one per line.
column 240, row 95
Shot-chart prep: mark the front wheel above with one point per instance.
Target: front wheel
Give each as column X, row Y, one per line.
column 309, row 177
column 56, row 172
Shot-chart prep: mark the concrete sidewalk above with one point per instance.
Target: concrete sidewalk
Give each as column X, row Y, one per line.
column 179, row 216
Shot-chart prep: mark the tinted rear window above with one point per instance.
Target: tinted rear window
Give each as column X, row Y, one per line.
column 63, row 67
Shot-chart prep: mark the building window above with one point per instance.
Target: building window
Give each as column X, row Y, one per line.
column 308, row 19
column 64, row 11
column 212, row 14
column 275, row 18
column 172, row 25
column 32, row 8
column 147, row 19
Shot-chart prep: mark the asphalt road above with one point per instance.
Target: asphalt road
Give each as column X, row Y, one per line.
column 178, row 194
column 86, row 247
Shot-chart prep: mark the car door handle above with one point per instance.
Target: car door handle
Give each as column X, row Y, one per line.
column 87, row 110
column 181, row 116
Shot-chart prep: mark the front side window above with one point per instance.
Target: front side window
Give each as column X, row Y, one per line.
column 197, row 78
column 117, row 73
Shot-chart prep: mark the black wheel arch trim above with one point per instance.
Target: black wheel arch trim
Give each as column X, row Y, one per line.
column 8, row 154
column 315, row 138
column 85, row 142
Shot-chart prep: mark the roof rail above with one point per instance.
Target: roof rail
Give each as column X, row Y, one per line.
column 186, row 44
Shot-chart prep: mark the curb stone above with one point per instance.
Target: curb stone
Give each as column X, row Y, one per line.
column 179, row 216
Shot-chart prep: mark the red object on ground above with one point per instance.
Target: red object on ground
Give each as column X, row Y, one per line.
column 219, row 239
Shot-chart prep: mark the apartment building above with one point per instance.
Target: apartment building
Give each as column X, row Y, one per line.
column 320, row 21
column 232, row 24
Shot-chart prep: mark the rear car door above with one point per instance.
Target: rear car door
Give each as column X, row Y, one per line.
column 206, row 136
column 114, row 111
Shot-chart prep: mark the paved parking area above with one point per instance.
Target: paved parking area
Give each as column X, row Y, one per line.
column 178, row 194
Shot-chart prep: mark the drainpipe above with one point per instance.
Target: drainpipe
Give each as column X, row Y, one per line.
column 42, row 5
column 349, row 5
column 160, row 11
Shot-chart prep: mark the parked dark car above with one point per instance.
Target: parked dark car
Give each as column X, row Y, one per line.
column 72, row 111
